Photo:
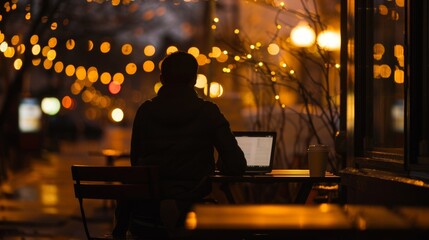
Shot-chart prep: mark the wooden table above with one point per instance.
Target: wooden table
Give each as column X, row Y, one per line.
column 325, row 221
column 110, row 155
column 301, row 176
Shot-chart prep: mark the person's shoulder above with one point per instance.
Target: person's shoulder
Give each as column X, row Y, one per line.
column 146, row 105
column 210, row 105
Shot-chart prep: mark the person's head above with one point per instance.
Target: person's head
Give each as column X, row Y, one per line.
column 179, row 68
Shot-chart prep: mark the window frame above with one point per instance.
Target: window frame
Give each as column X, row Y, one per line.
column 359, row 62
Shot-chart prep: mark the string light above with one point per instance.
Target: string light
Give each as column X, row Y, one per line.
column 49, row 54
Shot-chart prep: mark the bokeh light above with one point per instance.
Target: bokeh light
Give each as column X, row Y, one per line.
column 201, row 81
column 302, row 35
column 117, row 115
column 114, row 88
column 50, row 105
column 329, row 40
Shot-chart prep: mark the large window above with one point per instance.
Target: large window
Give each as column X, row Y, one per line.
column 391, row 84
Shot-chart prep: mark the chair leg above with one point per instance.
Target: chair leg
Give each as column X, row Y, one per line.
column 85, row 224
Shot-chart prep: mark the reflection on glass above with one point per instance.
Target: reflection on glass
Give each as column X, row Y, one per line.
column 388, row 65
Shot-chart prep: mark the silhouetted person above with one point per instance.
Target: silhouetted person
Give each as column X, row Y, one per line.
column 178, row 131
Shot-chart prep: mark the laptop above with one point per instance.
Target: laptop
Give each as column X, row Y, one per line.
column 258, row 148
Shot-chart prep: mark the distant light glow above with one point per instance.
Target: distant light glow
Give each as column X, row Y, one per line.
column 105, row 47
column 215, row 90
column 201, row 81
column 131, row 68
column 80, row 73
column 105, row 78
column 399, row 76
column 70, row 70
column 171, row 49
column 36, row 49
column 29, row 118
column 92, row 74
column 216, row 52
column 34, row 39
column 3, row 46
column 127, row 49
column 47, row 64
column 118, row 78
column 201, row 59
column 148, row 66
column 90, row 45
column 52, row 42
column 157, row 86
column 329, row 40
column 114, row 88
column 15, row 40
column 68, row 102
column 70, row 44
column 117, row 115
column 17, row 64
column 58, row 67
column 302, row 35
column 52, row 54
column 194, row 51
column 149, row 50
column 50, row 105
column 273, row 49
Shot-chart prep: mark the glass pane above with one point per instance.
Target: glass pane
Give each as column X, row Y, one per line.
column 388, row 81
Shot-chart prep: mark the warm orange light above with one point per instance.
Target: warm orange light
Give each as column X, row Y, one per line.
column 131, row 68
column 118, row 78
column 201, row 59
column 92, row 74
column 70, row 70
column 171, row 49
column 52, row 42
column 80, row 73
column 34, row 39
column 58, row 67
column 194, row 51
column 148, row 66
column 127, row 49
column 105, row 78
column 149, row 50
column 67, row 102
column 70, row 44
column 105, row 47
column 191, row 220
column 114, row 88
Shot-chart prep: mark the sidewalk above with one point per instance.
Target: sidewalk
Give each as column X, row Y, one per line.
column 38, row 202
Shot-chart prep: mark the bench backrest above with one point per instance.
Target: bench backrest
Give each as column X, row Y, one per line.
column 114, row 182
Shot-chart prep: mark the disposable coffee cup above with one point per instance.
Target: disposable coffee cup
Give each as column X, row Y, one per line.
column 317, row 160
